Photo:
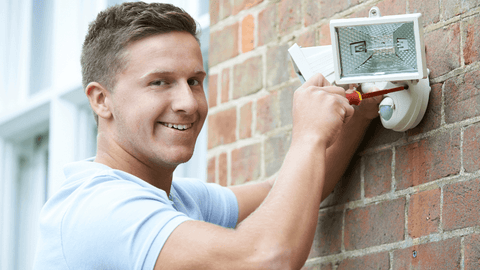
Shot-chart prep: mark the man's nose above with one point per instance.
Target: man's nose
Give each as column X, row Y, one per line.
column 184, row 100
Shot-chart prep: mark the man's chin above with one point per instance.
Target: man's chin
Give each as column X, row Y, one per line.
column 173, row 161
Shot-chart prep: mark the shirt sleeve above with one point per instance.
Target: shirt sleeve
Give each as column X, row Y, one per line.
column 218, row 204
column 117, row 224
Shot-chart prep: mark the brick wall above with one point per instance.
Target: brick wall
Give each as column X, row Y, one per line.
column 408, row 200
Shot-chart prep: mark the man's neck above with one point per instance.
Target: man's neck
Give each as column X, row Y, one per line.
column 111, row 154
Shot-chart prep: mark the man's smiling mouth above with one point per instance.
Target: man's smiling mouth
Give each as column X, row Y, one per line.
column 177, row 126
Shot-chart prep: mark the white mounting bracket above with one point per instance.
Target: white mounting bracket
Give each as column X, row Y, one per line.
column 405, row 109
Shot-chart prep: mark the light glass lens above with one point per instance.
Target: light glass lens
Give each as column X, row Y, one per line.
column 377, row 49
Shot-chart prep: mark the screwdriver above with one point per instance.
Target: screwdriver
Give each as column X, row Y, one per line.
column 356, row 97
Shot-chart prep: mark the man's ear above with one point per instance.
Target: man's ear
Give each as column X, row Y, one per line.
column 98, row 97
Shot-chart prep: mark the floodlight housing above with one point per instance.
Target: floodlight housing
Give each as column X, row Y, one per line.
column 388, row 48
column 382, row 52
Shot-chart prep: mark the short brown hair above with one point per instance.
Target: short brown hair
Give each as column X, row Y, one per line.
column 103, row 52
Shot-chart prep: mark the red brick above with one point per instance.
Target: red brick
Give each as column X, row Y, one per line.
column 461, row 97
column 267, row 113
column 372, row 261
column 239, row 5
column 211, row 167
column 324, row 35
column 375, row 224
column 225, row 85
column 212, row 90
column 307, row 39
column 223, row 44
column 428, row 159
column 393, row 7
column 267, row 25
column 330, row 7
column 437, row 255
column 472, row 40
column 245, row 128
column 348, row 188
column 471, row 146
column 248, row 77
column 279, row 65
column 276, row 147
column 453, row 8
column 424, row 213
column 246, row 164
column 316, row 266
column 328, row 236
column 312, row 13
column 472, row 252
column 460, row 205
column 443, row 50
column 248, row 39
column 430, row 10
column 290, row 14
column 221, row 127
column 222, row 169
column 226, row 9
column 433, row 115
column 286, row 103
column 377, row 135
column 214, row 11
column 378, row 173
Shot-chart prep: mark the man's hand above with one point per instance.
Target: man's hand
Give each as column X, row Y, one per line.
column 319, row 111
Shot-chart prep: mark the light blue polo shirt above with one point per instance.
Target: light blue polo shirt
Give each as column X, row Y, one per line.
column 108, row 219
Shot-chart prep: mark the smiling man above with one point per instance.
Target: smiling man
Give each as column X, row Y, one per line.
column 143, row 75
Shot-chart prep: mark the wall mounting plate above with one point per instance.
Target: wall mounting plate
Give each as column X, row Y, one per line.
column 408, row 106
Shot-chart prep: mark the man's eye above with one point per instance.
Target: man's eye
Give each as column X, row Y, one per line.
column 159, row 82
column 193, row 82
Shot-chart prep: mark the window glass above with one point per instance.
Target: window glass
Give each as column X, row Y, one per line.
column 203, row 7
column 114, row 2
column 41, row 44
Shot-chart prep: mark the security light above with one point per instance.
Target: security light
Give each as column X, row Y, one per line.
column 385, row 52
column 389, row 48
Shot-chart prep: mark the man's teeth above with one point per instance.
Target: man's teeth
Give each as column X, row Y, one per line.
column 179, row 127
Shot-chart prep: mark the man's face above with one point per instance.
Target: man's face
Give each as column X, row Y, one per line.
column 158, row 103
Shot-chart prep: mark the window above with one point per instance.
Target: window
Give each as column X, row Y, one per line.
column 30, row 195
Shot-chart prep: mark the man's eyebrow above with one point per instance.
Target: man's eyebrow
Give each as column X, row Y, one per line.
column 167, row 72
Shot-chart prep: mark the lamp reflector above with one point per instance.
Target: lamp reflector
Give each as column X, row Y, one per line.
column 377, row 49
column 389, row 48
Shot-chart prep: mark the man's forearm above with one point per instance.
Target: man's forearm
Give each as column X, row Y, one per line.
column 341, row 152
column 288, row 216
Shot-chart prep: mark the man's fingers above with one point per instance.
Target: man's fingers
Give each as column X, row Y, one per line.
column 349, row 111
column 316, row 80
column 329, row 89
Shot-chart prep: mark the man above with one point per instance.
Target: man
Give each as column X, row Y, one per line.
column 143, row 75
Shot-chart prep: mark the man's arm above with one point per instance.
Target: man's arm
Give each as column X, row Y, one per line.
column 338, row 157
column 278, row 235
column 341, row 152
